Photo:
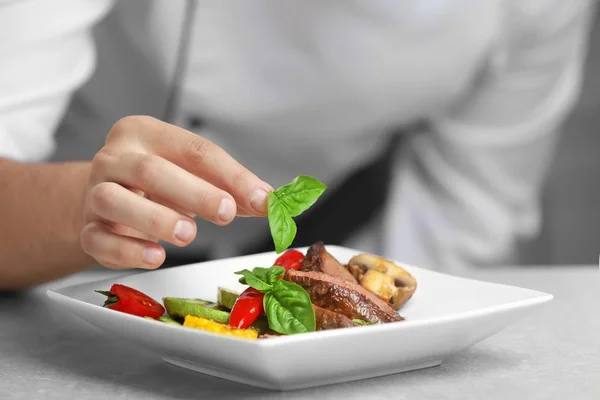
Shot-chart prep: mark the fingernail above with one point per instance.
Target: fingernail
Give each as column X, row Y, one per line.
column 184, row 230
column 259, row 200
column 227, row 210
column 152, row 255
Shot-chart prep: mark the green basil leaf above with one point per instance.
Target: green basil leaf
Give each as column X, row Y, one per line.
column 361, row 322
column 289, row 309
column 274, row 273
column 283, row 227
column 267, row 275
column 300, row 194
column 261, row 273
column 258, row 282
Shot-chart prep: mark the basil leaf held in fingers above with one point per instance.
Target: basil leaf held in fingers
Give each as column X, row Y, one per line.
column 290, row 201
column 282, row 226
column 289, row 309
column 300, row 194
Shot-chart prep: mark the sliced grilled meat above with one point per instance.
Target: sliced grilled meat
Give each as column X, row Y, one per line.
column 331, row 320
column 318, row 259
column 342, row 296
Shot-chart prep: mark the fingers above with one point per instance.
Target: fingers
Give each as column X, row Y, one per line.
column 168, row 184
column 148, row 182
column 214, row 164
column 112, row 202
column 115, row 251
column 195, row 154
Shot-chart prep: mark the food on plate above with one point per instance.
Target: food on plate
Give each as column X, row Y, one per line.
column 318, row 259
column 287, row 306
column 246, row 309
column 168, row 320
column 385, row 278
column 178, row 309
column 130, row 301
column 307, row 293
column 326, row 319
column 342, row 296
column 291, row 259
column 215, row 327
column 226, row 298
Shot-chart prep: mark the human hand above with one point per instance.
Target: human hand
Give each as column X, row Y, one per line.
column 148, row 183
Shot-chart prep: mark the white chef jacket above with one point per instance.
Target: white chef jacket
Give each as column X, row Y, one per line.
column 311, row 87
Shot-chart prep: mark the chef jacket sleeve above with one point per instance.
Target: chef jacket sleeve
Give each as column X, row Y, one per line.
column 470, row 188
column 46, row 54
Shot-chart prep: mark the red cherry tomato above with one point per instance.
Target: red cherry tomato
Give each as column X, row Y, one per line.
column 247, row 308
column 291, row 259
column 128, row 300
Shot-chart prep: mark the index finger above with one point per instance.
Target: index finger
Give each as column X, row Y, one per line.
column 195, row 154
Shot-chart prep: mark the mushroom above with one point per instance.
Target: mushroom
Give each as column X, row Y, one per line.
column 384, row 278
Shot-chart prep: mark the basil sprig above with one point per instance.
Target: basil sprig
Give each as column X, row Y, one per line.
column 287, row 305
column 261, row 279
column 290, row 201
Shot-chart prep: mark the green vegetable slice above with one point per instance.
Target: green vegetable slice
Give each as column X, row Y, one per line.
column 226, row 298
column 178, row 308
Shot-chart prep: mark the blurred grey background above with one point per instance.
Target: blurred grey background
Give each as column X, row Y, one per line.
column 571, row 231
column 571, row 203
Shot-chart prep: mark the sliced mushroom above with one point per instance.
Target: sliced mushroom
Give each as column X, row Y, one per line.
column 384, row 278
column 379, row 283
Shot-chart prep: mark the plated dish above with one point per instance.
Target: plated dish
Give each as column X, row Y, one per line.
column 299, row 293
column 445, row 315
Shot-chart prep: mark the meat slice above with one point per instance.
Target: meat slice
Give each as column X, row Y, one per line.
column 318, row 259
column 342, row 296
column 331, row 320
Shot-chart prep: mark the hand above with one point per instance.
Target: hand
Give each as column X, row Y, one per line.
column 148, row 183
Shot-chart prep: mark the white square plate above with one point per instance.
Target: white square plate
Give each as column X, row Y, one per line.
column 446, row 315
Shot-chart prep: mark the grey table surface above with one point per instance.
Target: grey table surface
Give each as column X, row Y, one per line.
column 553, row 354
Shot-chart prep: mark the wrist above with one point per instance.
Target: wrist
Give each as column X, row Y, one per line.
column 41, row 213
column 79, row 173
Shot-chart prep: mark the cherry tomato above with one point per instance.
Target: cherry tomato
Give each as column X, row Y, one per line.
column 291, row 259
column 128, row 300
column 247, row 308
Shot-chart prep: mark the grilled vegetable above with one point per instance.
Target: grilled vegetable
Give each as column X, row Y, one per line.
column 291, row 259
column 226, row 298
column 178, row 309
column 261, row 325
column 130, row 301
column 221, row 329
column 385, row 278
column 247, row 309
